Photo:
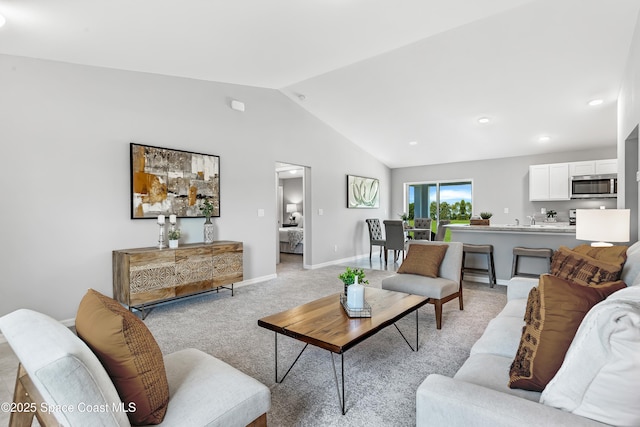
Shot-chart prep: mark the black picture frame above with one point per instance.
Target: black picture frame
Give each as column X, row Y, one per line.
column 166, row 181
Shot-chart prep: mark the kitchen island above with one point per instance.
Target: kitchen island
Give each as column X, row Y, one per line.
column 504, row 237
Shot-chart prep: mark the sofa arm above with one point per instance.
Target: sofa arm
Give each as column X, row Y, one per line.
column 442, row 401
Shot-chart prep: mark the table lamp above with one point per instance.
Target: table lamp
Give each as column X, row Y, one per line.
column 602, row 226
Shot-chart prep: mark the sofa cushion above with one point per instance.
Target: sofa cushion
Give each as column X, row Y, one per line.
column 554, row 312
column 501, row 336
column 600, row 374
column 129, row 354
column 423, row 260
column 491, row 371
column 583, row 269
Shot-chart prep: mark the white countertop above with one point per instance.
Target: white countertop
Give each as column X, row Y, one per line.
column 544, row 227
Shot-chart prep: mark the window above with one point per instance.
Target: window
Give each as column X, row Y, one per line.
column 451, row 200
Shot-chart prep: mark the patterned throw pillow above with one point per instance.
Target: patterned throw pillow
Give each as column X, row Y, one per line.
column 423, row 260
column 554, row 312
column 129, row 354
column 583, row 269
column 611, row 254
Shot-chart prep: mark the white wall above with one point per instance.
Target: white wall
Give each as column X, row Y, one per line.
column 500, row 183
column 65, row 130
column 629, row 112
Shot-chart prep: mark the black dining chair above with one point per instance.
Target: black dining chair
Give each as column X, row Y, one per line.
column 375, row 235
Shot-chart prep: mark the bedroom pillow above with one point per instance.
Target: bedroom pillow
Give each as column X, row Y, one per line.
column 423, row 260
column 129, row 354
column 554, row 312
column 583, row 269
column 601, row 371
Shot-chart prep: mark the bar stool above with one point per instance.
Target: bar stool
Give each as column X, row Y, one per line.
column 519, row 251
column 479, row 249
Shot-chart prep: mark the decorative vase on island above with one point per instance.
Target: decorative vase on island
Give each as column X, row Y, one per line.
column 208, row 231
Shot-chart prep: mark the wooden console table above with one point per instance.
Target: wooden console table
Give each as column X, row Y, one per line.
column 144, row 277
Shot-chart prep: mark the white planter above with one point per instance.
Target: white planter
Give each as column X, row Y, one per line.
column 173, row 244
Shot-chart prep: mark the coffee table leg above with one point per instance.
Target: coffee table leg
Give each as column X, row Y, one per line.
column 343, row 406
column 294, row 362
column 405, row 339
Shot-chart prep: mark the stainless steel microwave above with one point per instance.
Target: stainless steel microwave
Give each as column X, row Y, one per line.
column 594, row 186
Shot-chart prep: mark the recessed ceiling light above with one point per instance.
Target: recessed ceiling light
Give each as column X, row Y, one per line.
column 483, row 120
column 595, row 102
column 544, row 138
column 2, row 20
column 413, row 143
column 293, row 171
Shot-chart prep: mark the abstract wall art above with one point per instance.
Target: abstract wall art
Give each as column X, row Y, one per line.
column 363, row 192
column 167, row 181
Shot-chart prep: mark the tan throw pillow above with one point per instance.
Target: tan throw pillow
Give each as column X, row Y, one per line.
column 611, row 254
column 554, row 312
column 423, row 260
column 583, row 269
column 129, row 354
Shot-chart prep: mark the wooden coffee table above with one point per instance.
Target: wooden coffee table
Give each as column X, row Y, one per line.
column 325, row 324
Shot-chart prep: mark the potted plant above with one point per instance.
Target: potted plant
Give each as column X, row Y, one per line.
column 349, row 277
column 405, row 219
column 174, row 236
column 484, row 219
column 551, row 215
column 207, row 211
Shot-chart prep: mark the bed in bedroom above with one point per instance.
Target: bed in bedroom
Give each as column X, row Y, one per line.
column 291, row 240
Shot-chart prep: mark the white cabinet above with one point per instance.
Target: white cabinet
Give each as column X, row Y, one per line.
column 582, row 168
column 549, row 182
column 606, row 166
column 593, row 167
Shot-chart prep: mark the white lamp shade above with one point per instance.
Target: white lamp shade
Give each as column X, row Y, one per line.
column 291, row 207
column 602, row 225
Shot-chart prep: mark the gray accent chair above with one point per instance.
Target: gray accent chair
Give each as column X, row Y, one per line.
column 422, row 223
column 375, row 235
column 446, row 287
column 395, row 239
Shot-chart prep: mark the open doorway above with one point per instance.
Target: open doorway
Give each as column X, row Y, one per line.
column 291, row 230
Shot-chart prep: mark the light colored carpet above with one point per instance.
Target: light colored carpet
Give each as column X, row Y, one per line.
column 381, row 373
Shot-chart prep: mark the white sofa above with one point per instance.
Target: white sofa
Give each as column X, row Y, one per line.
column 60, row 374
column 479, row 394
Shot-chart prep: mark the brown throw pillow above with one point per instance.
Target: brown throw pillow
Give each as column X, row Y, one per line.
column 611, row 254
column 554, row 312
column 423, row 260
column 129, row 354
column 583, row 269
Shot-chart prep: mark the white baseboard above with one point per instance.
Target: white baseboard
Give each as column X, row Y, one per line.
column 334, row 262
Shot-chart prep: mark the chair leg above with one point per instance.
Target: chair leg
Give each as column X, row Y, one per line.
column 460, row 297
column 438, row 306
column 370, row 250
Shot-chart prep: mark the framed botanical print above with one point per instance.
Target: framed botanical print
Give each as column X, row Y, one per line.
column 363, row 192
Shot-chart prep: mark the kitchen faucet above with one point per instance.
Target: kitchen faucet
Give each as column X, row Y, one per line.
column 517, row 221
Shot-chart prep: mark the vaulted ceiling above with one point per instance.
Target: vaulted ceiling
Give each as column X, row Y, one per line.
column 383, row 73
